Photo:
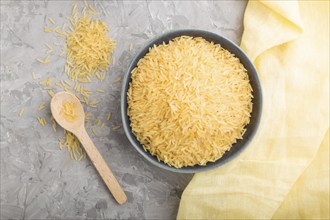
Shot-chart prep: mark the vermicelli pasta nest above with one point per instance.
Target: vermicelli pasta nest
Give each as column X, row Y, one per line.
column 189, row 101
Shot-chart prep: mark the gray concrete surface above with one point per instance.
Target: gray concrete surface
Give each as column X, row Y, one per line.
column 38, row 180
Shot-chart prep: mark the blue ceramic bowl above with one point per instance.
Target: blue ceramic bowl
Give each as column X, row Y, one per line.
column 257, row 99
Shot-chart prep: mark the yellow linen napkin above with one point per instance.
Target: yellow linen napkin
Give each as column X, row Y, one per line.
column 288, row 42
column 309, row 197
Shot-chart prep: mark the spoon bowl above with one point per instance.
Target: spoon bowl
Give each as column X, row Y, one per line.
column 76, row 125
column 56, row 107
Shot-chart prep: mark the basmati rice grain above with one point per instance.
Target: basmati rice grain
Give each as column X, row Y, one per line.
column 51, row 20
column 117, row 79
column 109, row 116
column 115, row 128
column 41, row 106
column 21, row 112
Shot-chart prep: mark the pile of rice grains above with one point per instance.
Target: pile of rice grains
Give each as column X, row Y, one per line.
column 87, row 49
column 189, row 101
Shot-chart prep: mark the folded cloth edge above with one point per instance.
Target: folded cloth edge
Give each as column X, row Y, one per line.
column 279, row 20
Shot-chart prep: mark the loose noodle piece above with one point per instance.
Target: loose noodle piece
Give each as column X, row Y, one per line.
column 21, row 112
column 189, row 101
column 109, row 116
column 41, row 106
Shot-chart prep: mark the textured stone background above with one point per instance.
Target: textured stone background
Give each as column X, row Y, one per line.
column 38, row 180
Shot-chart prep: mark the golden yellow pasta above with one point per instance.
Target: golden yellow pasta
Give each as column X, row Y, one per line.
column 69, row 111
column 189, row 101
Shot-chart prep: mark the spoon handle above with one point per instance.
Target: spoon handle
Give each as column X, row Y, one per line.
column 101, row 166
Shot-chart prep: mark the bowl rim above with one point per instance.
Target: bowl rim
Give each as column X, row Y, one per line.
column 123, row 101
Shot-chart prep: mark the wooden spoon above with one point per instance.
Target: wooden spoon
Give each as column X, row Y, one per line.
column 77, row 127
